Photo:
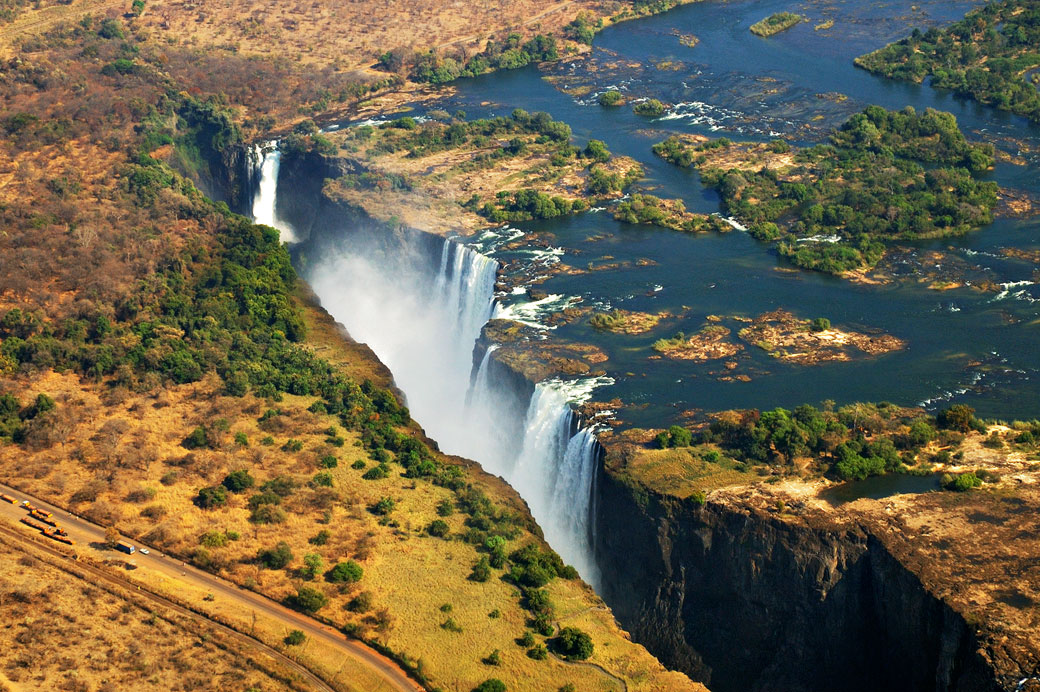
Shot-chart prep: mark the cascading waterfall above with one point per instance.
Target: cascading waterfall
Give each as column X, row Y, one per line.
column 268, row 159
column 422, row 313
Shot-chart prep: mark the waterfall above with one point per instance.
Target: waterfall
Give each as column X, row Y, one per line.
column 268, row 157
column 421, row 307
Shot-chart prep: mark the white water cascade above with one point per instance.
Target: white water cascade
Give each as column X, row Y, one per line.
column 268, row 158
column 422, row 316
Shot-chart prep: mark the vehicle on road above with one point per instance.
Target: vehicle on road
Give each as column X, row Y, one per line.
column 126, row 547
column 145, row 551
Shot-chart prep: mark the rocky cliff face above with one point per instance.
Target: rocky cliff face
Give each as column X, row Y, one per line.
column 742, row 600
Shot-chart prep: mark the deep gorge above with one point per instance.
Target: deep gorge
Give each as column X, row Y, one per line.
column 738, row 600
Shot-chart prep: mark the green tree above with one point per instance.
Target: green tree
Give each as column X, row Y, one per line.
column 238, row 481
column 309, row 599
column 491, row 685
column 573, row 644
column 212, row 497
column 295, row 638
column 345, row 573
column 277, row 557
column 312, row 565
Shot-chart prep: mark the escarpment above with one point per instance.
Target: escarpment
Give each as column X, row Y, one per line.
column 745, row 596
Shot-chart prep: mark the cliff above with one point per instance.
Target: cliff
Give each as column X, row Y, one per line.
column 757, row 589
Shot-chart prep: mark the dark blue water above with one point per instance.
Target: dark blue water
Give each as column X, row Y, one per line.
column 965, row 345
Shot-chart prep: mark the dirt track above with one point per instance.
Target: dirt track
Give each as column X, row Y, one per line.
column 88, row 536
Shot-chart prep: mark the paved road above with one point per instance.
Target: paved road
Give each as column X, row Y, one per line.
column 85, row 533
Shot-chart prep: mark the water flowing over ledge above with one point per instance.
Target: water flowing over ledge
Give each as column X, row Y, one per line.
column 420, row 302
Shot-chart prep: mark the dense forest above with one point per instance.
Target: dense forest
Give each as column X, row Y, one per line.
column 990, row 55
column 833, row 207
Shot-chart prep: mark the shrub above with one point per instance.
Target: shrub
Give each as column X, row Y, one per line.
column 213, row 539
column 820, row 324
column 573, row 644
column 309, row 599
column 361, row 603
column 292, row 445
column 295, row 638
column 238, row 481
column 277, row 557
column 347, row 572
column 241, row 439
column 451, row 626
column 481, row 571
column 322, row 479
column 438, row 528
column 492, row 659
column 610, row 98
column 526, row 640
column 445, row 508
column 312, row 564
column 491, row 685
column 212, row 497
column 376, row 473
column 597, row 151
column 675, row 436
column 538, row 653
column 268, row 514
column 197, row 439
column 383, row 506
column 320, row 538
column 651, row 108
column 328, row 462
column 959, row 417
column 960, row 483
column 358, row 464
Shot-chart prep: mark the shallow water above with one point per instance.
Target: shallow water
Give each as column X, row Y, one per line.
column 879, row 487
column 965, row 345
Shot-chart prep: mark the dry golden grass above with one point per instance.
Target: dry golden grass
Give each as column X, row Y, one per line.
column 120, row 446
column 442, row 180
column 61, row 632
column 681, row 472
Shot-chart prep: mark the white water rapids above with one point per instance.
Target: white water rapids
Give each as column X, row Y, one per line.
column 422, row 316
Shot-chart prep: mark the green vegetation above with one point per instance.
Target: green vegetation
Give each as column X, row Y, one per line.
column 866, row 186
column 238, row 481
column 989, row 56
column 611, row 98
column 347, row 572
column 509, row 54
column 775, row 23
column 960, row 483
column 654, row 211
column 277, row 557
column 607, row 320
column 651, row 108
column 573, row 644
column 295, row 638
column 675, row 436
column 491, row 685
column 851, row 443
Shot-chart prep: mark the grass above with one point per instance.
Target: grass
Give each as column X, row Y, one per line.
column 65, row 633
column 682, row 471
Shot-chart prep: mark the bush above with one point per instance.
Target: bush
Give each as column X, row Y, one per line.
column 651, row 108
column 820, row 324
column 526, row 640
column 328, row 462
column 959, row 417
column 277, row 557
column 445, row 508
column 213, row 539
column 538, row 653
column 481, row 571
column 309, row 599
column 438, row 528
column 573, row 644
column 238, row 481
column 268, row 514
column 362, row 603
column 384, row 506
column 212, row 497
column 320, row 538
column 675, row 436
column 295, row 638
column 322, row 479
column 348, row 572
column 610, row 98
column 241, row 439
column 491, row 685
column 961, row 483
column 198, row 439
column 493, row 659
column 376, row 473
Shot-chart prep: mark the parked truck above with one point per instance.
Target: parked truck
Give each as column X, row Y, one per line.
column 7, row 498
column 126, row 547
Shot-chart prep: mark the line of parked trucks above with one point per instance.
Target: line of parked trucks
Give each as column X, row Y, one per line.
column 40, row 520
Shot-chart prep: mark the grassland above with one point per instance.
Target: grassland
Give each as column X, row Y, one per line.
column 455, row 175
column 63, row 632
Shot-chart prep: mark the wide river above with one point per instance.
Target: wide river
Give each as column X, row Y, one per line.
column 964, row 345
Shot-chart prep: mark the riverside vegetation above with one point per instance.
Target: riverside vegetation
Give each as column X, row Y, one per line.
column 831, row 207
column 990, row 56
column 160, row 375
column 775, row 23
